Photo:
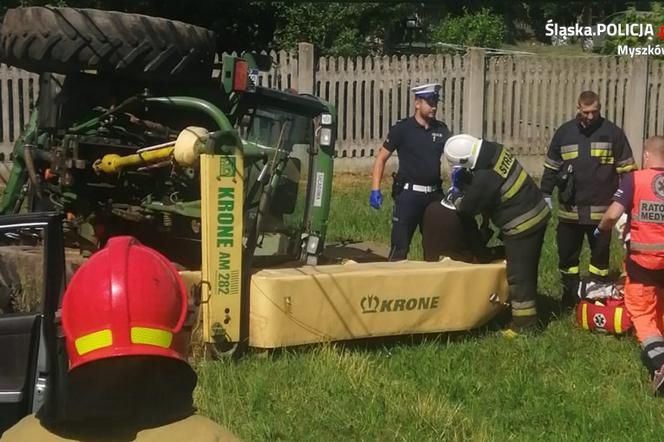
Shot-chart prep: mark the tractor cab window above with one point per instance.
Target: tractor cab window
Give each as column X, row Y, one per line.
column 268, row 133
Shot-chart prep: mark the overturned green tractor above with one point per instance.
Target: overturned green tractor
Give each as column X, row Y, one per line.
column 127, row 106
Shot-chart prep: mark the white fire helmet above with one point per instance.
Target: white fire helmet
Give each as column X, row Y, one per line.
column 463, row 150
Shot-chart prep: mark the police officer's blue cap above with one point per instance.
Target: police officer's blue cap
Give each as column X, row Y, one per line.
column 426, row 90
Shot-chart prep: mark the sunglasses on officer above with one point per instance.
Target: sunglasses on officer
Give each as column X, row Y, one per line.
column 431, row 99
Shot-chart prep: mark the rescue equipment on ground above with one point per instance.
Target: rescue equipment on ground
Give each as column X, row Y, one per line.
column 602, row 309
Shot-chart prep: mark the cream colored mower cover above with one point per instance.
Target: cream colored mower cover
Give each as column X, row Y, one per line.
column 307, row 305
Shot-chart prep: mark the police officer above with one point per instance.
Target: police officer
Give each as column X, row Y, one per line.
column 585, row 159
column 419, row 142
column 500, row 187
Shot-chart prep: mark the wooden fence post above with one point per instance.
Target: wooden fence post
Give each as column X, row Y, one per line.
column 635, row 106
column 473, row 94
column 305, row 68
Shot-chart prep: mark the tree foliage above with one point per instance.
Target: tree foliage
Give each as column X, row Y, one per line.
column 483, row 28
column 338, row 28
column 655, row 18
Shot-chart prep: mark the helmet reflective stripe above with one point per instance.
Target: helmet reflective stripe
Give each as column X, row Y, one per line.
column 151, row 336
column 139, row 335
column 94, row 341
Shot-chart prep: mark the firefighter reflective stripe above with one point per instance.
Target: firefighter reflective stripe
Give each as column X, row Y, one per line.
column 641, row 246
column 552, row 164
column 513, row 183
column 572, row 212
column 569, row 152
column 597, row 212
column 584, row 315
column 602, row 149
column 151, row 336
column 525, row 308
column 570, row 270
column 568, row 212
column 597, row 271
column 94, row 341
column 523, row 304
column 617, row 320
column 527, row 220
column 520, row 312
column 626, row 165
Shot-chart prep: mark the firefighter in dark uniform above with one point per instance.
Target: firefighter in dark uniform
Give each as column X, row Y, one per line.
column 501, row 188
column 585, row 159
column 419, row 142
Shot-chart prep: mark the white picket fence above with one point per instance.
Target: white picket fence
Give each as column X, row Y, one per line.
column 516, row 100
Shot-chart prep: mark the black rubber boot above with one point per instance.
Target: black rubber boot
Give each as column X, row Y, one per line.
column 570, row 292
column 521, row 325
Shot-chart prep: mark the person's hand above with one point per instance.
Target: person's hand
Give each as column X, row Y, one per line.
column 547, row 200
column 376, row 199
column 597, row 233
column 453, row 194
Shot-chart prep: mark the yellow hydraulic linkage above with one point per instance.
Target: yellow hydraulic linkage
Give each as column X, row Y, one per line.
column 113, row 163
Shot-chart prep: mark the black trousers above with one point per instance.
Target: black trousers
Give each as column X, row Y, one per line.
column 570, row 241
column 408, row 213
column 523, row 255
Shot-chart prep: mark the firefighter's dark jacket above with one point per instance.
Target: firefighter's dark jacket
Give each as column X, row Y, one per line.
column 501, row 187
column 598, row 155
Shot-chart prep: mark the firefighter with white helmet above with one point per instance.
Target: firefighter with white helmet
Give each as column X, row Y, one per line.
column 123, row 320
column 489, row 180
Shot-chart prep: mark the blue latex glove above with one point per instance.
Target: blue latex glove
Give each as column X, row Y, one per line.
column 376, row 199
column 457, row 177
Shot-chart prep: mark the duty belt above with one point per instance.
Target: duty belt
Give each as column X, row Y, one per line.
column 421, row 189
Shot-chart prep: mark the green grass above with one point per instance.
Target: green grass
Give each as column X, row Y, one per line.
column 561, row 384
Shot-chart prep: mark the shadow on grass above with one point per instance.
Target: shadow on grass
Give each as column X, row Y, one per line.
column 387, row 343
column 549, row 310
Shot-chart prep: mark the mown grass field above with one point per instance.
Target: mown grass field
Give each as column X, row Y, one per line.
column 561, row 384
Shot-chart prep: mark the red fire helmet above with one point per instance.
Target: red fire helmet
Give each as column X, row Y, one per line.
column 127, row 299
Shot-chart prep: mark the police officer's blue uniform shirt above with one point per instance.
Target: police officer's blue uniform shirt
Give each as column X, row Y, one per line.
column 419, row 150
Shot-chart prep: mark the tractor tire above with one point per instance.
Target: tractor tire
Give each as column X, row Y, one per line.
column 66, row 40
